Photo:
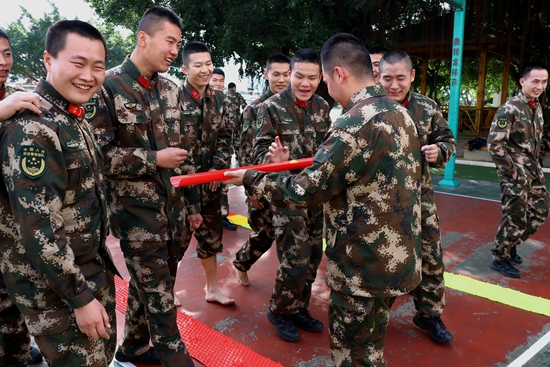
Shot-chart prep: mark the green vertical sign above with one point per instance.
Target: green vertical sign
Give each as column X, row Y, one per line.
column 456, row 78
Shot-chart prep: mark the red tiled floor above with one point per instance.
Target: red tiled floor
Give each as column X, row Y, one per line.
column 482, row 328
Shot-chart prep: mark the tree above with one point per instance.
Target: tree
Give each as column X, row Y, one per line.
column 28, row 44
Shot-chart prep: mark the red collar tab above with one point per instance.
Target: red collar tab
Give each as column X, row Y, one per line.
column 406, row 101
column 144, row 82
column 531, row 103
column 211, row 94
column 2, row 92
column 76, row 110
column 196, row 94
column 301, row 103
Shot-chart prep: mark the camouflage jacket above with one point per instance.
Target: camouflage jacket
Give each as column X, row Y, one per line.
column 432, row 129
column 53, row 216
column 367, row 171
column 515, row 138
column 8, row 89
column 237, row 103
column 300, row 125
column 248, row 121
column 206, row 120
column 133, row 118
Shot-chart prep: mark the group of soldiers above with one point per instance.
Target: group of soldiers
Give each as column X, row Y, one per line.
column 91, row 153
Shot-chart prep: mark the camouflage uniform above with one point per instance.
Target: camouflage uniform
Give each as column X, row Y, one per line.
column 298, row 233
column 514, row 143
column 14, row 335
column 53, row 226
column 368, row 172
column 206, row 120
column 260, row 220
column 429, row 296
column 136, row 118
column 235, row 101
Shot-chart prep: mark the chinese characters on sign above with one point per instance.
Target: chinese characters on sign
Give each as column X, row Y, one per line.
column 455, row 62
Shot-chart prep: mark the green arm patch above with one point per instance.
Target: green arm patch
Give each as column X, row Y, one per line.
column 33, row 160
column 502, row 122
column 92, row 106
column 260, row 121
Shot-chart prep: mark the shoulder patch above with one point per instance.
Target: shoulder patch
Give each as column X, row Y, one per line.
column 130, row 105
column 260, row 120
column 502, row 122
column 33, row 160
column 246, row 124
column 92, row 107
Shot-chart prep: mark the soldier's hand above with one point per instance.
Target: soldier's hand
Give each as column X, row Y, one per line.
column 18, row 101
column 431, row 152
column 213, row 186
column 234, row 177
column 171, row 157
column 257, row 204
column 277, row 153
column 92, row 319
column 195, row 221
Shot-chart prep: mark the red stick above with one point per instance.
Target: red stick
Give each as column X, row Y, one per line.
column 206, row 177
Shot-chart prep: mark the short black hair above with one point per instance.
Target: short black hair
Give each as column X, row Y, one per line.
column 231, row 85
column 276, row 58
column 56, row 37
column 394, row 57
column 4, row 35
column 153, row 20
column 378, row 50
column 305, row 55
column 530, row 66
column 194, row 47
column 344, row 49
column 218, row 71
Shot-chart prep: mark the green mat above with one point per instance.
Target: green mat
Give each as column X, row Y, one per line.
column 476, row 173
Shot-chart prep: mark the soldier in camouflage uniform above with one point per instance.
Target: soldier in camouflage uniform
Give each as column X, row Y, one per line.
column 514, row 144
column 53, row 256
column 368, row 172
column 14, row 336
column 438, row 146
column 144, row 144
column 376, row 53
column 277, row 73
column 205, row 112
column 236, row 103
column 300, row 119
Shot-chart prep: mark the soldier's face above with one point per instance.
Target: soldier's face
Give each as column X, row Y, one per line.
column 160, row 49
column 535, row 83
column 6, row 60
column 217, row 81
column 304, row 80
column 78, row 70
column 199, row 70
column 375, row 60
column 397, row 80
column 278, row 76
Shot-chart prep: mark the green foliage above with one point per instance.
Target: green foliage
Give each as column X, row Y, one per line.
column 28, row 44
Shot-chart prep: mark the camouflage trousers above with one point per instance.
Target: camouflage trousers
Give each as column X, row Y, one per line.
column 429, row 295
column 224, row 200
column 357, row 328
column 15, row 339
column 260, row 239
column 524, row 211
column 150, row 310
column 300, row 249
column 209, row 234
column 57, row 335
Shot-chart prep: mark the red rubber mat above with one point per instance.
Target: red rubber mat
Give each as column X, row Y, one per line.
column 199, row 340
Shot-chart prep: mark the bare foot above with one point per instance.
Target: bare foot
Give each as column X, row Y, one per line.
column 219, row 297
column 242, row 276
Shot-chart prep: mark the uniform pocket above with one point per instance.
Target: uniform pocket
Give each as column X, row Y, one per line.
column 78, row 164
column 47, row 322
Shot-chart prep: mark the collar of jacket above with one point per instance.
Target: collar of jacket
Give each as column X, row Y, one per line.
column 531, row 102
column 48, row 92
column 365, row 93
column 208, row 93
column 133, row 71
